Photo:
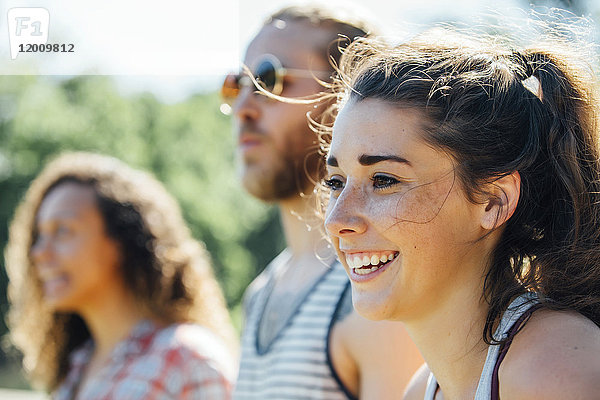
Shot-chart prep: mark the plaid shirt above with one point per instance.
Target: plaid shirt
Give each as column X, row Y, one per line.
column 181, row 361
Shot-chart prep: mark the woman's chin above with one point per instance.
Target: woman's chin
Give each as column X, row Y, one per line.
column 61, row 304
column 371, row 308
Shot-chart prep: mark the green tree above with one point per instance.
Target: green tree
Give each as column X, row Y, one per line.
column 188, row 146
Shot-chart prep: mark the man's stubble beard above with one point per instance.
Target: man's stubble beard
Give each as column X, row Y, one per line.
column 292, row 176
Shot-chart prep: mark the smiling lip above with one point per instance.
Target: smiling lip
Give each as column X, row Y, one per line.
column 365, row 266
column 54, row 286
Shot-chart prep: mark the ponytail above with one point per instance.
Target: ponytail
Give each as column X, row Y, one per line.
column 559, row 211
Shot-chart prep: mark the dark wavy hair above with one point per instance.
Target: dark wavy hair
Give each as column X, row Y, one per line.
column 168, row 272
column 479, row 108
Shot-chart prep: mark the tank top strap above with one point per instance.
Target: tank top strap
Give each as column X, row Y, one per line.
column 432, row 387
column 510, row 318
column 495, row 395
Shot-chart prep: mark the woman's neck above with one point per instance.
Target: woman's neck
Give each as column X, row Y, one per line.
column 111, row 319
column 451, row 341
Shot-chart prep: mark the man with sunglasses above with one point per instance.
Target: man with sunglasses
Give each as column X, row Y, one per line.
column 302, row 339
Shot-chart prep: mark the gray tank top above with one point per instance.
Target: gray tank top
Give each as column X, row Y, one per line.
column 512, row 314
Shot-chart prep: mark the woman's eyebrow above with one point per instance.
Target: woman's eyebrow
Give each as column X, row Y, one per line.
column 366, row 159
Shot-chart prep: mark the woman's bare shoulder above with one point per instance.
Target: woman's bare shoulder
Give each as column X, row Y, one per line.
column 554, row 356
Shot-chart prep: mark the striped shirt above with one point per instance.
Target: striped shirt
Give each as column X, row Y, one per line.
column 296, row 364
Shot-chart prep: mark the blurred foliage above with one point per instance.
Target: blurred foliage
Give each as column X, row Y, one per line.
column 189, row 146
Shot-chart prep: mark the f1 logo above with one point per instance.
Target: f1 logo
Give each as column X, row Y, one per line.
column 27, row 25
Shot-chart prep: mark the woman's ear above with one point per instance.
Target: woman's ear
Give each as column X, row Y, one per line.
column 501, row 200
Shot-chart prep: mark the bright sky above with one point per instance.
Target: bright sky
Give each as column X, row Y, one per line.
column 178, row 47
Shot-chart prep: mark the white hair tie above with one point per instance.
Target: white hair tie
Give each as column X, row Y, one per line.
column 534, row 86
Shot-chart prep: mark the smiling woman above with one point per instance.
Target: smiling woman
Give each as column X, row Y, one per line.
column 110, row 296
column 412, row 211
column 464, row 179
column 70, row 233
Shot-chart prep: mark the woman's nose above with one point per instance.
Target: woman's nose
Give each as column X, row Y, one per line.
column 345, row 214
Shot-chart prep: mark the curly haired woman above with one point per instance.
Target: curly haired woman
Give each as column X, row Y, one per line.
column 110, row 296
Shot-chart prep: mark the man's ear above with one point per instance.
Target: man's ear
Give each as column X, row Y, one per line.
column 501, row 200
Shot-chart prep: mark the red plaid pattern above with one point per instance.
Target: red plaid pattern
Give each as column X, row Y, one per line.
column 181, row 361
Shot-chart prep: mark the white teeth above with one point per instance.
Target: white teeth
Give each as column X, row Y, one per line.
column 364, row 271
column 46, row 276
column 367, row 263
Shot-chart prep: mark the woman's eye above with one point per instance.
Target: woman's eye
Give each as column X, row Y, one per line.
column 62, row 231
column 383, row 181
column 334, row 183
column 37, row 239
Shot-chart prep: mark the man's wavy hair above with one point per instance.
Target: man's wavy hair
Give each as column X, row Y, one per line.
column 162, row 265
column 344, row 26
column 496, row 108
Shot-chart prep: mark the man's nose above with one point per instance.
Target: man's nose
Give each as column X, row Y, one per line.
column 246, row 108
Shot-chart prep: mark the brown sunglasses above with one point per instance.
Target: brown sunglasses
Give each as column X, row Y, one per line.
column 268, row 73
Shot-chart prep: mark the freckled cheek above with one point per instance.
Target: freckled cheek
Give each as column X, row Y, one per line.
column 420, row 204
column 382, row 212
column 402, row 222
